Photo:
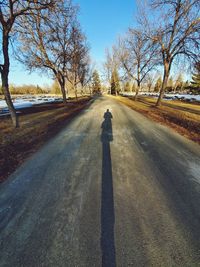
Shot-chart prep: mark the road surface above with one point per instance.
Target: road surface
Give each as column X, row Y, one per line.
column 111, row 189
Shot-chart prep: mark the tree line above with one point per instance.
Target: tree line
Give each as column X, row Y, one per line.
column 26, row 89
column 153, row 83
column 167, row 33
column 47, row 37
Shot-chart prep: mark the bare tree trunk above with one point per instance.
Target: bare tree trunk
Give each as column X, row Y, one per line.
column 90, row 91
column 138, row 82
column 66, row 89
column 82, row 90
column 64, row 94
column 4, row 77
column 62, row 87
column 8, row 99
column 149, row 89
column 164, row 83
column 137, row 91
column 76, row 95
column 61, row 81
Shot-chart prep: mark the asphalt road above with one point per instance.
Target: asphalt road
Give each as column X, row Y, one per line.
column 111, row 189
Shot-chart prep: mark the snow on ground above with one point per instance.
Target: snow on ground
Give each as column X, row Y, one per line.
column 2, row 103
column 187, row 97
column 27, row 102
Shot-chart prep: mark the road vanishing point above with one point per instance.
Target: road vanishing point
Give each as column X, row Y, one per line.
column 113, row 188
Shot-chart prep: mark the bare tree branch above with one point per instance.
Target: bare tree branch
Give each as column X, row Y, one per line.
column 137, row 56
column 10, row 10
column 177, row 34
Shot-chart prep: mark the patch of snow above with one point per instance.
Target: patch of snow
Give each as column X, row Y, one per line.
column 3, row 103
column 187, row 97
column 21, row 105
column 28, row 101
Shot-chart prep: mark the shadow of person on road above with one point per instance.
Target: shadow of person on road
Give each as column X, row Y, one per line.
column 106, row 134
column 107, row 201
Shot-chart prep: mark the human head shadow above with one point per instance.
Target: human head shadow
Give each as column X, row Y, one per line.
column 107, row 134
column 107, row 200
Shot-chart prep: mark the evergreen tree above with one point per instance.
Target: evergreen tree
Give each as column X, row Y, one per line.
column 39, row 90
column 158, row 85
column 133, row 87
column 55, row 89
column 179, row 84
column 96, row 83
column 195, row 83
column 186, row 85
column 115, row 83
column 170, row 85
column 127, row 87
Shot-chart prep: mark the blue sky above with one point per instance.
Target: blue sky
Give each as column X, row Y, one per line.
column 102, row 21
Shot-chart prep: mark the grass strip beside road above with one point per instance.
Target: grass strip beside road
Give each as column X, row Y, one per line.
column 37, row 126
column 183, row 118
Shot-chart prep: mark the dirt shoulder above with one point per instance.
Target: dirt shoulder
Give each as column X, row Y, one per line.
column 38, row 125
column 183, row 118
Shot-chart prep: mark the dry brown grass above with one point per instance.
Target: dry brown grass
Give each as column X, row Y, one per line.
column 193, row 107
column 182, row 117
column 36, row 128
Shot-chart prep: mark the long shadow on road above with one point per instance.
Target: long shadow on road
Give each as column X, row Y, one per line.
column 107, row 201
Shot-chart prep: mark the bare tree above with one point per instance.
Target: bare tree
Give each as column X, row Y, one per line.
column 46, row 41
column 177, row 34
column 85, row 73
column 112, row 63
column 10, row 12
column 137, row 56
column 150, row 80
column 78, row 64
